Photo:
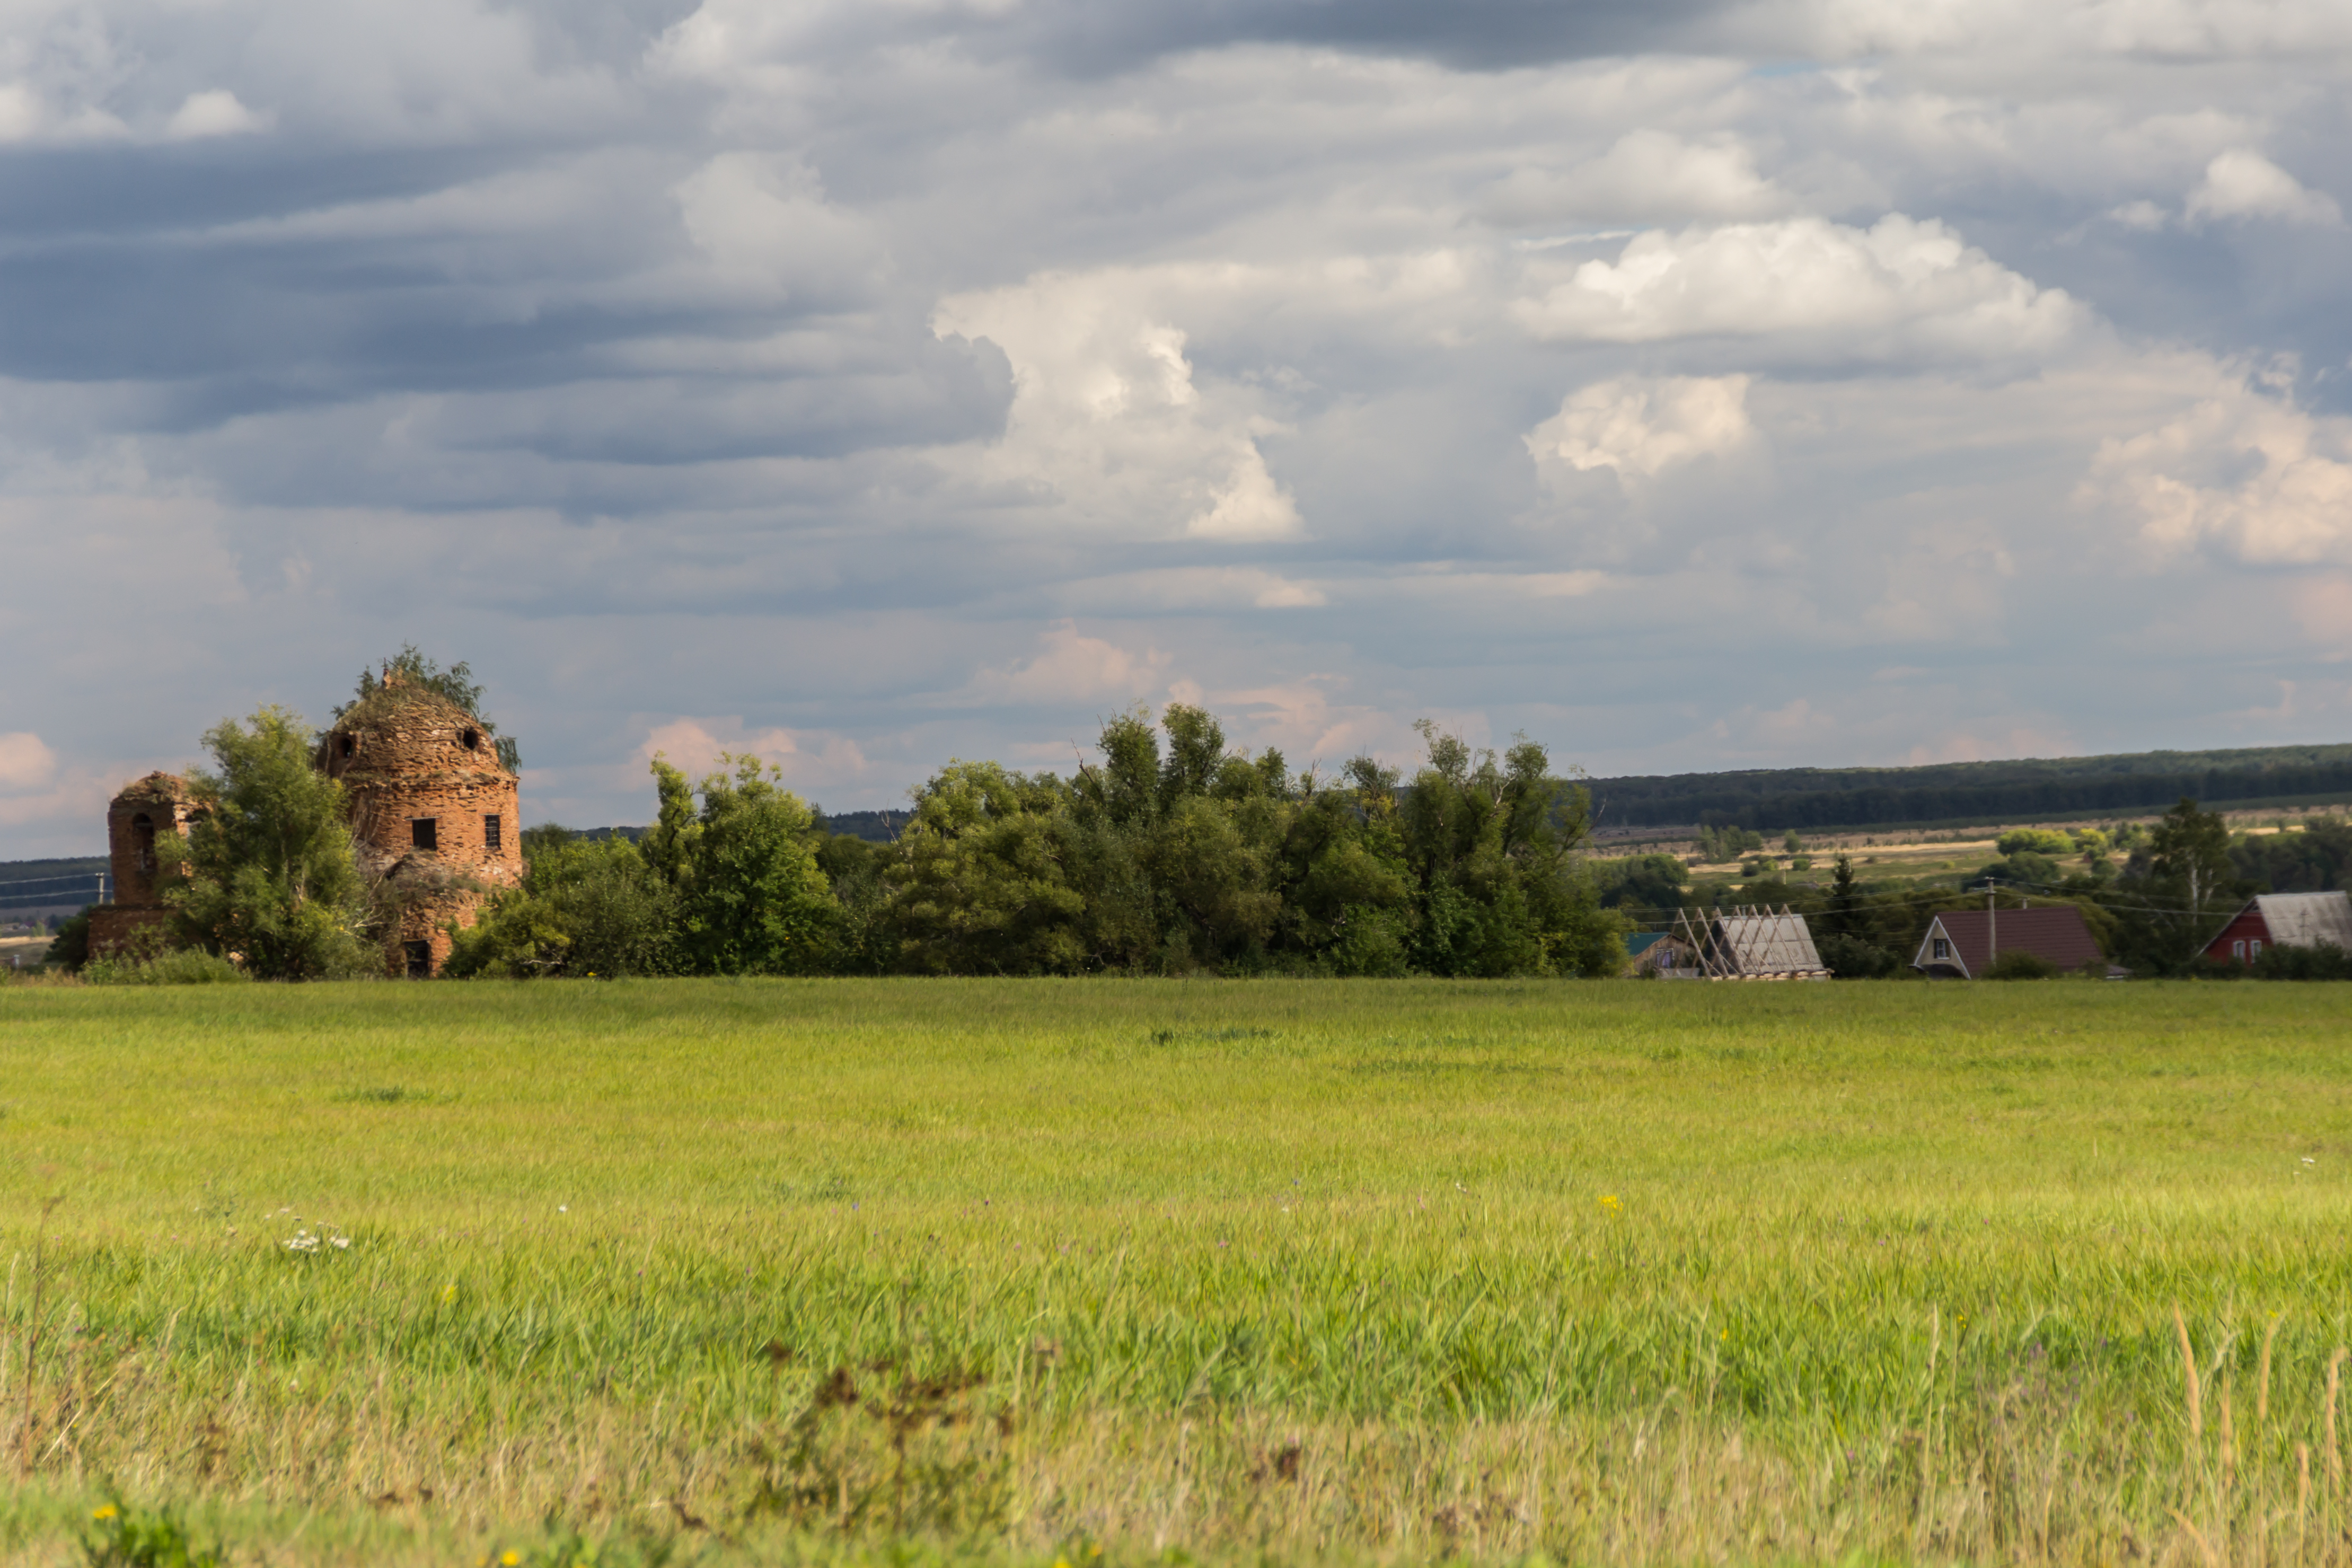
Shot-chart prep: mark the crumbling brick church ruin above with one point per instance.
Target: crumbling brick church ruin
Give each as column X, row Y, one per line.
column 156, row 806
column 435, row 814
column 435, row 820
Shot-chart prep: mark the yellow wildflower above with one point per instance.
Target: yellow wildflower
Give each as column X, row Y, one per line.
column 509, row 1558
column 1609, row 1202
column 104, row 1510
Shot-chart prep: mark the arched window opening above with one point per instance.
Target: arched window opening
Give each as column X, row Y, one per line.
column 349, row 745
column 473, row 739
column 143, row 843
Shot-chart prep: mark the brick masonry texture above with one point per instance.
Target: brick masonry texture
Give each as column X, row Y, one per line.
column 405, row 755
column 156, row 806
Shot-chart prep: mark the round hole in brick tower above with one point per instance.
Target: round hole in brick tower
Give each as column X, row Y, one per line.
column 434, row 814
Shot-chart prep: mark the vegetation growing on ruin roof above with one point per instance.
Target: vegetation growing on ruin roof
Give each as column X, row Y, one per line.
column 409, row 677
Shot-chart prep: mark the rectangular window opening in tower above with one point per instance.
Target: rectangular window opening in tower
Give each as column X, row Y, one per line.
column 491, row 833
column 423, row 833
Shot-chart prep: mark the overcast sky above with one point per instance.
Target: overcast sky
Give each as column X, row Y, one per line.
column 865, row 382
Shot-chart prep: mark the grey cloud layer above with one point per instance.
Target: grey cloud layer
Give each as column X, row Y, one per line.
column 870, row 383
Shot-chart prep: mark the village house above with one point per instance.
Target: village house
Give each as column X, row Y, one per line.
column 1661, row 954
column 1961, row 944
column 2285, row 919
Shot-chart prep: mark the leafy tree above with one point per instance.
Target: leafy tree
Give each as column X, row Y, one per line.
column 979, row 886
column 1651, row 885
column 1852, row 958
column 2016, row 963
column 587, row 908
column 69, row 947
column 2035, row 841
column 1728, row 842
column 1492, row 841
column 1349, row 893
column 2174, row 889
column 2025, row 867
column 2316, row 860
column 1844, row 912
column 266, row 870
column 751, row 897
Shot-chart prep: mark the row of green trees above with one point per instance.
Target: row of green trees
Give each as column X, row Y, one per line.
column 1171, row 852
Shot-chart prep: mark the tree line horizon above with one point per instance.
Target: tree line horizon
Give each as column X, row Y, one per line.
column 1166, row 851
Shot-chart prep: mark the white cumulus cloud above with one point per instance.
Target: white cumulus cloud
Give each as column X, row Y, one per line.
column 1108, row 425
column 1071, row 666
column 216, row 113
column 1647, row 174
column 1901, row 286
column 2242, row 184
column 2246, row 472
column 1639, row 426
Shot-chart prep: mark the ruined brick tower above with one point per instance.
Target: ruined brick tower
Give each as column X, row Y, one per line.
column 434, row 813
column 148, row 809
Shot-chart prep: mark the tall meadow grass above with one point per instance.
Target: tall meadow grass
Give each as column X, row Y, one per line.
column 1360, row 1270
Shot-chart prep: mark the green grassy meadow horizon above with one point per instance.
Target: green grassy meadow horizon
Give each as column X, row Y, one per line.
column 1351, row 1270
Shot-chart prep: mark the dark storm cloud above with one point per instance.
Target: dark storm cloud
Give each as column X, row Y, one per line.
column 1474, row 35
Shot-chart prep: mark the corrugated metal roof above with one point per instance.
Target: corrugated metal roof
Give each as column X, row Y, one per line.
column 2307, row 920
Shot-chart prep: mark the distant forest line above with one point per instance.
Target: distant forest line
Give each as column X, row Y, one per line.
column 1972, row 793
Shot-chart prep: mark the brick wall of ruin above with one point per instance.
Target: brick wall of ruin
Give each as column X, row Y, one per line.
column 162, row 800
column 405, row 756
column 112, row 925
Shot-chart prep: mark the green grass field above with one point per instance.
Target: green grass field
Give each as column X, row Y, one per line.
column 1012, row 1271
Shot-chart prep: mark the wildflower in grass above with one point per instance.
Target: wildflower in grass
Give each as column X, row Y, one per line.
column 1610, row 1204
column 509, row 1558
column 104, row 1510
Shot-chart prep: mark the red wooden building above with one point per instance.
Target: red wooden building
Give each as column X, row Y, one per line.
column 2285, row 919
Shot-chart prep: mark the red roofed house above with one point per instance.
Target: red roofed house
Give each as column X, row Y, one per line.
column 1961, row 944
column 2285, row 919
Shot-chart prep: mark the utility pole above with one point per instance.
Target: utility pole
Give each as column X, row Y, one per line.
column 1992, row 924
